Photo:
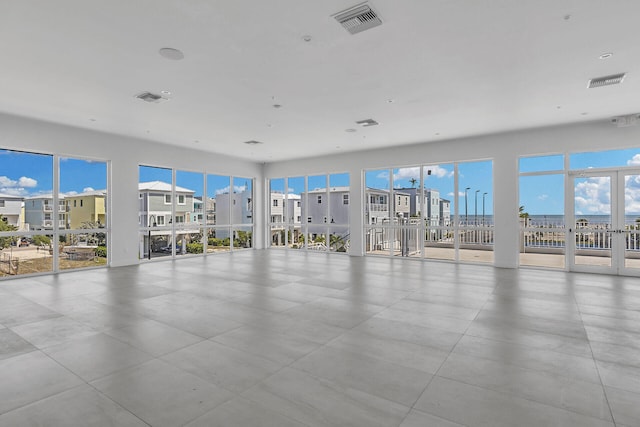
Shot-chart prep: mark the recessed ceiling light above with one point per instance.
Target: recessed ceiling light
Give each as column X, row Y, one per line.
column 367, row 122
column 606, row 55
column 567, row 17
column 165, row 92
column 277, row 106
column 306, row 38
column 390, row 101
column 92, row 120
column 584, row 114
column 350, row 130
column 171, row 53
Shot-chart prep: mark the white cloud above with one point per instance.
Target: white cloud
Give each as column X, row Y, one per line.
column 87, row 189
column 27, row 182
column 593, row 196
column 438, row 172
column 635, row 160
column 16, row 187
column 414, row 172
column 543, row 197
column 407, row 173
column 14, row 191
column 236, row 189
column 7, row 182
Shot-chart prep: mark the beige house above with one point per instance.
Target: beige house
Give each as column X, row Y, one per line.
column 86, row 208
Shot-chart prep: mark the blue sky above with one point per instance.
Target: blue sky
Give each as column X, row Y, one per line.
column 27, row 174
column 544, row 194
column 216, row 184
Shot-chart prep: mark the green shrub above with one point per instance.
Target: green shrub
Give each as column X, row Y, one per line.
column 195, row 248
column 101, row 251
column 41, row 240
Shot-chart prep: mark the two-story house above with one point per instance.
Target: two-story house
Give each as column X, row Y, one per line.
column 156, row 204
column 39, row 213
column 11, row 210
column 86, row 209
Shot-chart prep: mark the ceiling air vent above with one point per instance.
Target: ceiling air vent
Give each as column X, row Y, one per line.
column 150, row 97
column 613, row 79
column 367, row 123
column 358, row 18
column 252, row 142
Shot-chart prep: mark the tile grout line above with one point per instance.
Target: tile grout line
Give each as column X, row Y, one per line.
column 593, row 357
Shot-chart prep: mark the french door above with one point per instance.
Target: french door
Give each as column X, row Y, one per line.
column 604, row 222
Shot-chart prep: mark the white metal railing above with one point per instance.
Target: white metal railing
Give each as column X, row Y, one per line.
column 596, row 237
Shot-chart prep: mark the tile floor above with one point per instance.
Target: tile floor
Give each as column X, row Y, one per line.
column 274, row 338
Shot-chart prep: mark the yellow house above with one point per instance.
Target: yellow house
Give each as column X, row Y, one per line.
column 84, row 208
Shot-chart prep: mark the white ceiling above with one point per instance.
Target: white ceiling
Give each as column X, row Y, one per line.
column 451, row 68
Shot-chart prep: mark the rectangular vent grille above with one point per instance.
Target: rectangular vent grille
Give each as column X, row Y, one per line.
column 150, row 97
column 606, row 80
column 358, row 18
column 367, row 122
column 252, row 142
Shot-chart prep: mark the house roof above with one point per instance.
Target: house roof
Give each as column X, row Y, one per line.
column 11, row 196
column 88, row 194
column 161, row 186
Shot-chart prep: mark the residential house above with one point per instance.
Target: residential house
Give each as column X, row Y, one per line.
column 11, row 210
column 86, row 210
column 39, row 212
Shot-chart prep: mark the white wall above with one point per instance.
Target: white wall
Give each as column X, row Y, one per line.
column 125, row 154
column 504, row 149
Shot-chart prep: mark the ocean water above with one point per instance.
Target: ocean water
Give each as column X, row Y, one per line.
column 548, row 220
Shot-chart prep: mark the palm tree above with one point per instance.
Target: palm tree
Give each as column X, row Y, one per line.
column 413, row 182
column 522, row 213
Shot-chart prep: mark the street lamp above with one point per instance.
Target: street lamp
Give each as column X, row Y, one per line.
column 475, row 212
column 149, row 225
column 466, row 212
column 483, row 196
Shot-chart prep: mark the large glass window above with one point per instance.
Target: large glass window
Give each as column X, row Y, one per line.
column 438, row 208
column 295, row 225
column 605, row 159
column 82, row 201
column 475, row 196
column 48, row 226
column 218, row 213
column 411, row 212
column 189, row 213
column 242, row 213
column 219, row 207
column 155, row 214
column 338, row 216
column 277, row 214
column 310, row 212
column 542, row 220
column 379, row 239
